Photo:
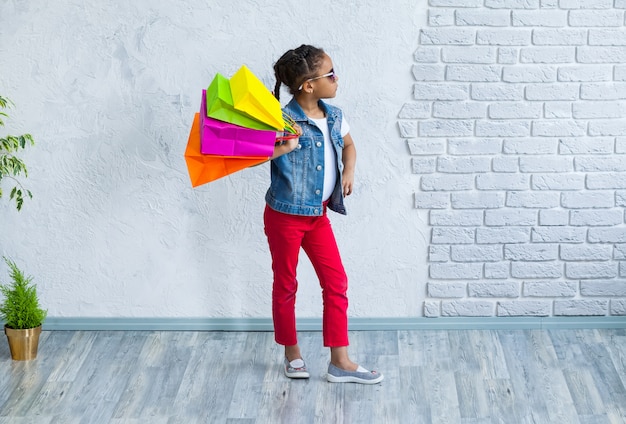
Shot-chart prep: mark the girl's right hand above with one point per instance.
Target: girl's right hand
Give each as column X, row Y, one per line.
column 298, row 129
column 288, row 145
column 292, row 143
column 285, row 147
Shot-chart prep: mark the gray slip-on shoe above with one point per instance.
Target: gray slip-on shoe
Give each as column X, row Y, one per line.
column 337, row 375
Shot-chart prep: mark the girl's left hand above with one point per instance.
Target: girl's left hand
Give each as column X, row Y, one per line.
column 349, row 159
column 347, row 182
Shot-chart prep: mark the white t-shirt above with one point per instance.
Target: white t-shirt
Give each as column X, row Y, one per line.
column 330, row 160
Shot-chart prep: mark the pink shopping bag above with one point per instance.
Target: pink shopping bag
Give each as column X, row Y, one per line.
column 222, row 138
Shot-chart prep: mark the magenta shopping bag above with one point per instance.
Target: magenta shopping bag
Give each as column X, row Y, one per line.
column 222, row 138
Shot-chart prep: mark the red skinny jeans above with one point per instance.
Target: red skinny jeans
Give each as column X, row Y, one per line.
column 285, row 235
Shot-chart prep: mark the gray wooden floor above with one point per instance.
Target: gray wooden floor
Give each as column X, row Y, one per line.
column 466, row 376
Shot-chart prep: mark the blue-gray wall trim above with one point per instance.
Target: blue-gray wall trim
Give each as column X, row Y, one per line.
column 315, row 324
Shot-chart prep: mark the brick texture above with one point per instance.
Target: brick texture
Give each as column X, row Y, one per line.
column 517, row 130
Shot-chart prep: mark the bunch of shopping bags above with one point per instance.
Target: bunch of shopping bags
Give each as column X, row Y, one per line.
column 239, row 123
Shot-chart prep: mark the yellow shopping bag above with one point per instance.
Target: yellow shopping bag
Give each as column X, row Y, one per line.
column 219, row 105
column 253, row 98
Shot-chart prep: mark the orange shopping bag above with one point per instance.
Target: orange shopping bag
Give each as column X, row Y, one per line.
column 206, row 168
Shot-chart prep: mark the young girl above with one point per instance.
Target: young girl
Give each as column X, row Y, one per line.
column 308, row 176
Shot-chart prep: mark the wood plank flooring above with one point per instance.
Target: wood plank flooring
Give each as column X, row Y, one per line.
column 465, row 376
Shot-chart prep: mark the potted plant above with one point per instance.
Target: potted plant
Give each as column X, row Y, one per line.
column 21, row 313
column 11, row 166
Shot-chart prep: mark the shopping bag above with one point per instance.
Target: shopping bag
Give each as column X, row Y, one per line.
column 223, row 138
column 206, row 168
column 219, row 105
column 252, row 97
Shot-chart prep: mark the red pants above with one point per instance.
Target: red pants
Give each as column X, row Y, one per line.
column 285, row 235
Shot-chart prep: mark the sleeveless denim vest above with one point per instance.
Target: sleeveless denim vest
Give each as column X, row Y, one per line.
column 297, row 178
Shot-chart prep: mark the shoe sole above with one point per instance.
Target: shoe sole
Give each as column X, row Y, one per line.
column 353, row 379
column 300, row 374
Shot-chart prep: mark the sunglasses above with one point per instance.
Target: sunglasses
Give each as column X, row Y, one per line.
column 332, row 75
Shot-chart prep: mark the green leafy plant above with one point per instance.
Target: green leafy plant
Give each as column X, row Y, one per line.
column 10, row 165
column 20, row 309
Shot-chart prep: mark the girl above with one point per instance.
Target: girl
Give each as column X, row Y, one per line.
column 308, row 176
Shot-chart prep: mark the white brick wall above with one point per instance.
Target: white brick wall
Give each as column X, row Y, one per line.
column 517, row 130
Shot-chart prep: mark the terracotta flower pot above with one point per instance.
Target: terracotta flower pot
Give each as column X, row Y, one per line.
column 23, row 343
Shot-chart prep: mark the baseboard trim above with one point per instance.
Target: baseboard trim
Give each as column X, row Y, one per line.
column 315, row 324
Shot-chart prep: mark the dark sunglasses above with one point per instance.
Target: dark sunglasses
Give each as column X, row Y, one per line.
column 332, row 75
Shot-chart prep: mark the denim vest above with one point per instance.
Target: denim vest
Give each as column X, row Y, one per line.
column 298, row 177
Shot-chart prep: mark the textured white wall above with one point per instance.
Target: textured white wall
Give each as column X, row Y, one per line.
column 108, row 91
